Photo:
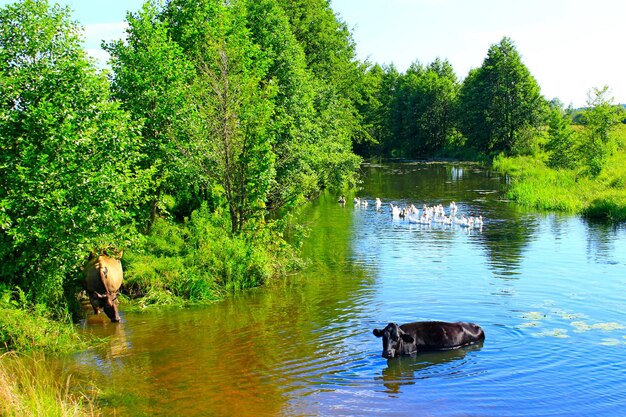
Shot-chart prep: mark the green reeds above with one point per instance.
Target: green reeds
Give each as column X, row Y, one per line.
column 200, row 261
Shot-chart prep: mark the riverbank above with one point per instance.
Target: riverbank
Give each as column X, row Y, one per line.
column 535, row 185
column 196, row 262
column 28, row 385
column 31, row 387
column 177, row 264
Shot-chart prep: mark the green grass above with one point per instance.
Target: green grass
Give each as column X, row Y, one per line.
column 30, row 386
column 28, row 330
column 31, row 328
column 198, row 261
column 535, row 185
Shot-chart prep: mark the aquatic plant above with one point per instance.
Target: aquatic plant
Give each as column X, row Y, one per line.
column 26, row 328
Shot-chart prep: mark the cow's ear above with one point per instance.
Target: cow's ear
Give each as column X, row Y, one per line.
column 407, row 338
column 378, row 332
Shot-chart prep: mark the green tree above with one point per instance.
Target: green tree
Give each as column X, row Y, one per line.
column 500, row 104
column 311, row 125
column 151, row 78
column 228, row 134
column 67, row 154
column 600, row 118
column 293, row 121
column 393, row 113
column 327, row 42
column 562, row 146
column 330, row 56
column 410, row 105
column 438, row 90
column 388, row 89
column 371, row 110
column 419, row 106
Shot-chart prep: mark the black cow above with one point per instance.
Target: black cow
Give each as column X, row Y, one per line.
column 421, row 336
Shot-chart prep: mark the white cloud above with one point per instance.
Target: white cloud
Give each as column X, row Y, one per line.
column 96, row 33
column 99, row 55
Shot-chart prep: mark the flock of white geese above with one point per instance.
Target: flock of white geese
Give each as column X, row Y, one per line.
column 427, row 215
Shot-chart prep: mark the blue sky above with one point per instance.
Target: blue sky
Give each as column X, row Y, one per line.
column 569, row 46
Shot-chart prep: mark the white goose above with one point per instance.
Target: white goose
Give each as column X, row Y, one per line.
column 425, row 218
column 463, row 221
column 395, row 211
column 478, row 222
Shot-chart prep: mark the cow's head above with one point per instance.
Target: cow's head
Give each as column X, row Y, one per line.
column 109, row 304
column 393, row 338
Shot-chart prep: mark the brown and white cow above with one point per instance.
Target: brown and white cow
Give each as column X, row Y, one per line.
column 103, row 278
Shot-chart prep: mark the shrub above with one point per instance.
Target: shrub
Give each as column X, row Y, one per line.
column 29, row 329
column 200, row 260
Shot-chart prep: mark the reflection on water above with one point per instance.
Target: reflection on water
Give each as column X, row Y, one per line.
column 546, row 288
column 404, row 370
column 600, row 242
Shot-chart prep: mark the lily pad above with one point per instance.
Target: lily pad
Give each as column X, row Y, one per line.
column 534, row 316
column 572, row 316
column 611, row 342
column 558, row 333
column 608, row 326
column 582, row 326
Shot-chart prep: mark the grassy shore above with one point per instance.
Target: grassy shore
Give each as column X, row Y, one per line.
column 196, row 262
column 535, row 185
column 25, row 330
column 29, row 386
column 178, row 263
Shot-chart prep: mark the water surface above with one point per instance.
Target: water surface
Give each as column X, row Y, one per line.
column 547, row 289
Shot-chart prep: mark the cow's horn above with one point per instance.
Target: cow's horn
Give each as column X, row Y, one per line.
column 99, row 295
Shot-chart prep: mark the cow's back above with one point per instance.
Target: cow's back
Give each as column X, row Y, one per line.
column 103, row 274
column 443, row 335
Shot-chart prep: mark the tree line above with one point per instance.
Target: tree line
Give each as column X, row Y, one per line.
column 235, row 110
column 498, row 108
column 241, row 108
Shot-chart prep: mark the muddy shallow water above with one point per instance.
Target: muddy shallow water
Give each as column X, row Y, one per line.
column 547, row 289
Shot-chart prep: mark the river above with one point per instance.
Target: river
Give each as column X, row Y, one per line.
column 548, row 289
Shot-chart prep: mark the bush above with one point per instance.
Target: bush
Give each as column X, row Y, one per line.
column 69, row 165
column 200, row 260
column 609, row 206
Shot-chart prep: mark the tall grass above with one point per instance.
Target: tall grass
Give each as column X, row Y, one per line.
column 29, row 386
column 535, row 185
column 201, row 261
column 24, row 328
